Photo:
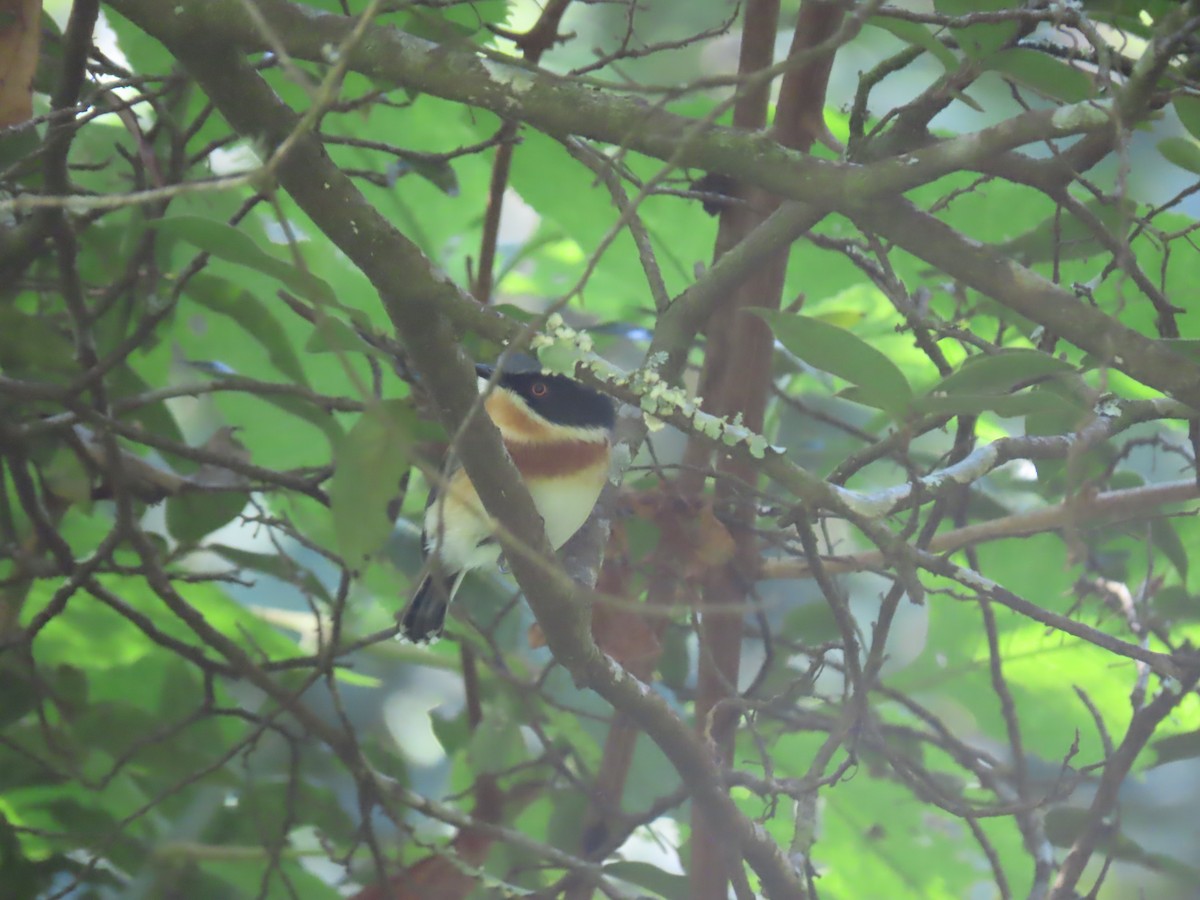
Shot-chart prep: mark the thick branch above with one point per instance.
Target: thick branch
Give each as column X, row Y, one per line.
column 1106, row 508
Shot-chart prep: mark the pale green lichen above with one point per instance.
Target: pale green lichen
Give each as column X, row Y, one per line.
column 874, row 506
column 758, row 446
column 653, row 423
column 709, row 426
column 515, row 78
column 1081, row 116
column 562, row 349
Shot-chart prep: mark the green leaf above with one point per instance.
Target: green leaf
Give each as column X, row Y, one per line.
column 1065, row 824
column 663, row 883
column 235, row 246
column 496, row 744
column 192, row 516
column 457, row 22
column 1008, row 405
column 30, row 347
column 810, row 622
column 1173, row 602
column 1043, row 73
column 1184, row 347
column 1065, row 236
column 156, row 418
column 1181, row 151
column 19, row 697
column 219, row 878
column 332, row 335
column 1176, row 747
column 1166, row 539
column 227, row 299
column 919, row 35
column 18, row 147
column 302, row 409
column 438, row 172
column 831, row 349
column 368, row 465
column 999, row 373
column 451, row 732
column 66, row 476
column 276, row 565
column 979, row 41
column 569, row 811
column 1187, row 107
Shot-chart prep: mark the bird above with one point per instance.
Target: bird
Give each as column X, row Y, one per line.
column 559, row 435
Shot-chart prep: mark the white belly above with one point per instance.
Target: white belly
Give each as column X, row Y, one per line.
column 563, row 503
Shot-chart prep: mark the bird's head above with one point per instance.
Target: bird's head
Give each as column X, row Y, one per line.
column 535, row 406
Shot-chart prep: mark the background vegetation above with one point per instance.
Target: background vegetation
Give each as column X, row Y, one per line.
column 919, row 624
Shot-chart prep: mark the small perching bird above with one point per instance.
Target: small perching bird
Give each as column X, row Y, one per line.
column 559, row 435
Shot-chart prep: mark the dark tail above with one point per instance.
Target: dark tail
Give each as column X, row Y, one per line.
column 425, row 617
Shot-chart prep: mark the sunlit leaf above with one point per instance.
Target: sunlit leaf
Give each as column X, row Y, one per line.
column 1183, row 152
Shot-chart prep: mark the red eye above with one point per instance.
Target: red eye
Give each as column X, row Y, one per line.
column 539, row 389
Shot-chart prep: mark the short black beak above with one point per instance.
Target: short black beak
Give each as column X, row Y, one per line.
column 484, row 371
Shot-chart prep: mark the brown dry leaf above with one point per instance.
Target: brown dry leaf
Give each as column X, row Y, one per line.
column 625, row 635
column 439, row 877
column 714, row 545
column 435, row 877
column 690, row 530
column 536, row 637
column 20, row 32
